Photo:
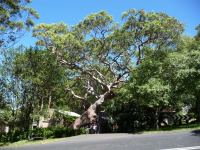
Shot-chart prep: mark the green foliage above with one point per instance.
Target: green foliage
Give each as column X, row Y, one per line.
column 184, row 65
column 168, row 78
column 197, row 36
column 37, row 132
column 98, row 51
column 70, row 119
column 44, row 76
column 156, row 93
column 30, row 77
column 147, row 84
column 13, row 136
column 147, row 52
column 15, row 16
column 129, row 115
column 154, row 30
column 43, row 133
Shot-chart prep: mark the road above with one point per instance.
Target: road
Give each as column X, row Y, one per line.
column 179, row 140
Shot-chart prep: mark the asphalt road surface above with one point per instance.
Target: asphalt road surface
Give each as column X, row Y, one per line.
column 179, row 140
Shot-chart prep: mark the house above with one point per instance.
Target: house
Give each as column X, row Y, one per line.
column 55, row 117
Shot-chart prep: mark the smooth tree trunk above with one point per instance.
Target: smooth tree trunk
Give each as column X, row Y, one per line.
column 50, row 100
column 90, row 115
column 42, row 103
column 157, row 115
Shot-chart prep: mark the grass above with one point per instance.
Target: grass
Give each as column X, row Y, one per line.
column 185, row 127
column 189, row 126
column 28, row 142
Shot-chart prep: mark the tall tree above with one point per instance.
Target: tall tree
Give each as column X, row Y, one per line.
column 10, row 86
column 100, row 52
column 41, row 79
column 183, row 66
column 147, row 86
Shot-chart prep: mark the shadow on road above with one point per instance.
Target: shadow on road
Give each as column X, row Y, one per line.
column 196, row 132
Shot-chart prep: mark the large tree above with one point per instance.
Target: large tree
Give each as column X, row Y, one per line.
column 100, row 53
column 10, row 87
column 41, row 81
column 183, row 73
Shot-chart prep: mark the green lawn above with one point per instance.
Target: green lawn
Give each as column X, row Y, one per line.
column 27, row 142
column 174, row 128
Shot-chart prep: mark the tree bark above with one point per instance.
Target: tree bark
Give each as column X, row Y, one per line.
column 90, row 115
column 157, row 114
column 50, row 99
column 42, row 103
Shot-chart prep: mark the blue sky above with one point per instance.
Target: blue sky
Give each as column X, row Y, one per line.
column 72, row 11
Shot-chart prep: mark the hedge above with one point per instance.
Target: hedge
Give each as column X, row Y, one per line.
column 39, row 133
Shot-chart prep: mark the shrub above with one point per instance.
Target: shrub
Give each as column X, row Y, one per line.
column 40, row 133
column 17, row 135
column 37, row 132
column 3, row 137
column 13, row 136
column 48, row 133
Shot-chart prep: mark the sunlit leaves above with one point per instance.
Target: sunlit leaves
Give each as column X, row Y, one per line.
column 15, row 16
column 99, row 43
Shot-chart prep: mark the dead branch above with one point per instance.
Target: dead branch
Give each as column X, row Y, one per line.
column 75, row 95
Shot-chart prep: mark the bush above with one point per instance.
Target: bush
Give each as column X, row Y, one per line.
column 37, row 132
column 3, row 137
column 17, row 135
column 48, row 133
column 59, row 132
column 13, row 136
column 65, row 132
column 55, row 132
column 40, row 133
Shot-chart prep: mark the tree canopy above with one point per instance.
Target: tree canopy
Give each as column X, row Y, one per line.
column 15, row 17
column 101, row 53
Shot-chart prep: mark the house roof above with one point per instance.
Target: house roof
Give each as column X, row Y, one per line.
column 69, row 113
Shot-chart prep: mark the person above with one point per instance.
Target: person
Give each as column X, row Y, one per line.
column 115, row 127
column 94, row 127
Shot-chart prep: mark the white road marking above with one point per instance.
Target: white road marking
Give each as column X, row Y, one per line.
column 185, row 148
